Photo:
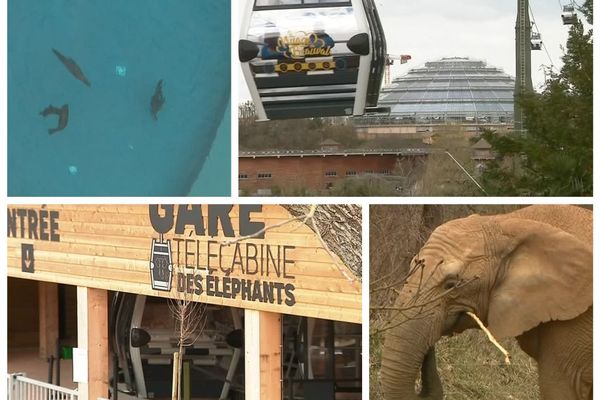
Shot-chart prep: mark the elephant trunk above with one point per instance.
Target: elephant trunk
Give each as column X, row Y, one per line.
column 431, row 385
column 409, row 349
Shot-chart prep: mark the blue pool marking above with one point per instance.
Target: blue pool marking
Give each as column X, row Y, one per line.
column 121, row 70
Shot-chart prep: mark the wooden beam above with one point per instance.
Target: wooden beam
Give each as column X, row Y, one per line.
column 174, row 377
column 98, row 349
column 92, row 335
column 252, row 354
column 262, row 355
column 48, row 318
column 82, row 333
column 270, row 356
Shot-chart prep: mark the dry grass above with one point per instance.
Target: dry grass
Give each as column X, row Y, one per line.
column 469, row 365
column 472, row 368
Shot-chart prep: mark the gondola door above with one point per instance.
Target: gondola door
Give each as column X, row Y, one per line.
column 308, row 58
column 379, row 53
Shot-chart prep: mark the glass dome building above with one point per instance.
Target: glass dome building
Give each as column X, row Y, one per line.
column 449, row 90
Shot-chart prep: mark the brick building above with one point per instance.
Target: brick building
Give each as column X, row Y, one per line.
column 266, row 172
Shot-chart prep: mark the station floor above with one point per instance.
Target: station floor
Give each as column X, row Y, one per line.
column 34, row 367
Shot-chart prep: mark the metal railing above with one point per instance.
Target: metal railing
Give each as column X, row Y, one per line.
column 19, row 387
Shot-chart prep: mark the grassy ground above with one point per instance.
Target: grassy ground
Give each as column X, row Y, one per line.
column 472, row 368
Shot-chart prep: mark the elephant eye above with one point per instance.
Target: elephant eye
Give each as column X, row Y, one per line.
column 450, row 283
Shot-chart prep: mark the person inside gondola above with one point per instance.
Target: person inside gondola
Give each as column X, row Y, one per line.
column 270, row 46
column 319, row 31
column 321, row 40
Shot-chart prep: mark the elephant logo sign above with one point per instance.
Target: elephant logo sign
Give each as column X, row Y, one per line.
column 161, row 265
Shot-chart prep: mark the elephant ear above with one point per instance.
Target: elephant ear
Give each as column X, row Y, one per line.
column 545, row 274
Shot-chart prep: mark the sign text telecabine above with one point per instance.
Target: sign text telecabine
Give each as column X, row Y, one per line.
column 262, row 271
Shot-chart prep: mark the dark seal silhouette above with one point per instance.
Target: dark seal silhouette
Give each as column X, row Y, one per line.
column 63, row 116
column 72, row 67
column 157, row 100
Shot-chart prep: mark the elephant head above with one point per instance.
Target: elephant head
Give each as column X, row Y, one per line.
column 514, row 271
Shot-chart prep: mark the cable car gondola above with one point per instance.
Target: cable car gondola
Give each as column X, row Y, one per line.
column 569, row 17
column 312, row 58
column 536, row 41
column 143, row 343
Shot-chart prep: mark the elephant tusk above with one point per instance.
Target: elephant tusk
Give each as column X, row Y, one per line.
column 491, row 337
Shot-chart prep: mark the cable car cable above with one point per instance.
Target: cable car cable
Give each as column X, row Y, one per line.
column 552, row 67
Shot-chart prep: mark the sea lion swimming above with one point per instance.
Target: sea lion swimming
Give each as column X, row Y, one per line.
column 157, row 100
column 63, row 116
column 72, row 67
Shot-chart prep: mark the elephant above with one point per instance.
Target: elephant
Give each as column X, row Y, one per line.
column 526, row 274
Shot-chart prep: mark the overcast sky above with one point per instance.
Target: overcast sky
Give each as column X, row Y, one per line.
column 479, row 29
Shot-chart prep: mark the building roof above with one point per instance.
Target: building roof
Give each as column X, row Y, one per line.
column 482, row 144
column 456, row 87
column 408, row 151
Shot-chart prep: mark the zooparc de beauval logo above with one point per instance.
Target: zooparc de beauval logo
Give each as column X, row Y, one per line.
column 262, row 271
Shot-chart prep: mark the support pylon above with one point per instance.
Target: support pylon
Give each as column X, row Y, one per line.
column 523, row 61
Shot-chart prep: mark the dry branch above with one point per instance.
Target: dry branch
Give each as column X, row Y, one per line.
column 260, row 232
column 491, row 337
column 338, row 228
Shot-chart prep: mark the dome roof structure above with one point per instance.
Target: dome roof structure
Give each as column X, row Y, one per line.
column 451, row 90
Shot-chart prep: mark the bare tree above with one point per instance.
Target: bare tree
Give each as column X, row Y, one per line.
column 190, row 320
column 442, row 176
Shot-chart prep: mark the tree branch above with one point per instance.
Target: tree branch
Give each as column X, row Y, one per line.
column 309, row 218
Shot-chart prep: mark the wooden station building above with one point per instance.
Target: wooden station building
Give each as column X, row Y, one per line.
column 276, row 289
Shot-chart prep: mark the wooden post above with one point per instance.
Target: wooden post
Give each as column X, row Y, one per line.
column 174, row 385
column 252, row 354
column 262, row 355
column 92, row 334
column 82, row 334
column 270, row 356
column 98, row 349
column 48, row 318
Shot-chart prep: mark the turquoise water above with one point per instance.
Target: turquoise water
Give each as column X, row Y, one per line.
column 112, row 145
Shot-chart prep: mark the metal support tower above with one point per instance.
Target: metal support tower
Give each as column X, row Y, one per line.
column 523, row 59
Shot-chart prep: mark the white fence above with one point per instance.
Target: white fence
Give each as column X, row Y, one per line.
column 22, row 388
